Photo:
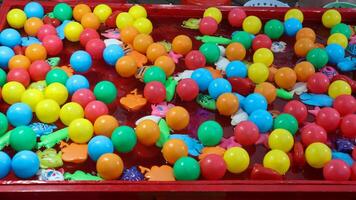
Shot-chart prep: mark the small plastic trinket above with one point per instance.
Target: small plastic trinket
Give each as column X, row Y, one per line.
column 132, row 174
column 150, row 117
column 238, row 117
column 164, row 133
column 39, row 85
column 161, row 109
column 183, row 75
column 321, row 100
column 42, row 128
column 75, row 153
column 81, row 176
column 54, row 61
column 49, row 158
column 259, row 172
column 229, row 142
column 211, row 150
column 50, row 175
column 162, row 173
column 344, row 145
column 279, row 47
column 54, row 138
column 206, row 101
column 111, row 34
column 330, row 72
column 167, row 45
column 175, row 56
column 213, row 39
column 191, row 23
column 194, row 146
column 133, row 101
column 112, row 41
column 170, row 85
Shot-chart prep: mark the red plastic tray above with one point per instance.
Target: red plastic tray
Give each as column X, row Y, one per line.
column 167, row 20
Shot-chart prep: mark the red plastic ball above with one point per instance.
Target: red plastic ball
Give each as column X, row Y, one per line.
column 313, row 133
column 345, row 104
column 243, row 86
column 95, row 48
column 52, row 21
column 297, row 109
column 38, row 70
column 354, row 154
column 213, row 167
column 110, row 22
column 154, row 92
column 208, row 26
column 348, row 126
column 261, row 41
column 336, row 170
column 187, row 89
column 95, row 109
column 83, row 97
column 87, row 35
column 246, row 133
column 328, row 118
column 194, row 60
column 236, row 17
column 53, row 44
column 318, row 83
column 353, row 171
column 45, row 30
column 20, row 75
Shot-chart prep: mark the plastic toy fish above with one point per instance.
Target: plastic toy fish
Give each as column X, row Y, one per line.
column 315, row 111
column 351, row 48
column 170, row 85
column 320, row 100
column 211, row 150
column 132, row 174
column 330, row 72
column 265, row 3
column 214, row 39
column 343, row 156
column 238, row 117
column 347, row 65
column 74, row 153
column 54, row 138
column 167, row 45
column 229, row 142
column 161, row 109
column 175, row 56
column 182, row 75
column 60, row 29
column 141, row 59
column 299, row 88
column 344, row 145
column 164, row 133
column 42, row 128
column 50, row 175
column 111, row 33
column 112, row 41
column 39, row 85
column 27, row 41
column 222, row 63
column 81, row 176
column 194, row 146
column 259, row 172
column 5, row 140
column 191, row 23
column 206, row 101
column 284, row 94
column 150, row 117
column 54, row 61
column 278, row 46
column 133, row 101
column 49, row 158
column 162, row 173
column 350, row 81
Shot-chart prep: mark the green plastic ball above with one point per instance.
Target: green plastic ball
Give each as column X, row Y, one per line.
column 244, row 38
column 341, row 28
column 318, row 57
column 2, row 77
column 56, row 76
column 124, row 139
column 154, row 73
column 210, row 133
column 186, row 169
column 286, row 121
column 4, row 124
column 105, row 91
column 63, row 11
column 23, row 138
column 210, row 51
column 274, row 29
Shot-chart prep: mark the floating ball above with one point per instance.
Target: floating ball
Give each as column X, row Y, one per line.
column 36, row 52
column 210, row 133
column 306, row 33
column 203, row 78
column 281, row 139
column 105, row 125
column 177, row 118
column 105, row 91
column 47, row 111
column 19, row 114
column 31, row 97
column 227, row 104
column 137, row 11
column 313, row 133
column 294, row 13
column 57, row 92
column 292, row 26
column 285, row 77
column 83, row 97
column 154, row 92
column 109, row 166
column 5, row 166
column 277, row 160
column 274, row 29
column 72, row 31
column 338, row 38
column 128, row 34
column 76, row 82
column 258, row 72
column 263, row 55
column 95, row 109
column 254, row 102
column 22, row 138
column 98, row 146
column 182, row 44
column 186, row 168
column 252, row 24
column 154, row 73
column 147, row 132
column 236, row 159
column 235, row 51
column 348, row 126
column 34, row 9
column 263, row 120
column 174, row 149
column 337, row 170
column 341, row 28
column 246, row 133
column 62, row 11
column 32, row 25
column 317, row 155
column 103, row 11
column 56, row 75
column 328, row 118
column 2, row 78
column 236, row 69
column 80, row 61
column 10, row 37
column 126, row 66
column 208, row 26
column 304, row 70
column 4, row 124
column 6, row 54
column 331, row 18
column 19, row 75
column 287, row 122
column 154, row 51
column 318, row 83
column 210, row 51
column 336, row 53
column 303, row 46
column 16, row 18
column 88, row 34
column 80, row 10
column 80, row 130
column 213, row 167
column 268, row 90
column 19, row 61
column 345, row 104
column 214, row 13
column 187, row 89
column 236, row 17
column 143, row 25
column 70, row 112
column 112, row 53
column 218, row 87
column 25, row 164
column 261, row 41
column 167, row 64
column 318, row 57
column 90, row 20
column 45, row 30
column 11, row 92
column 95, row 47
column 338, row 88
column 243, row 38
column 124, row 20
column 124, row 139
column 297, row 109
column 53, row 44
column 142, row 42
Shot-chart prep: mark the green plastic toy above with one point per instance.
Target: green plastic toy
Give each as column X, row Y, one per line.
column 214, row 39
column 54, row 138
column 54, row 61
column 170, row 85
column 283, row 94
column 206, row 101
column 5, row 140
column 191, row 23
column 81, row 176
column 164, row 133
column 39, row 85
column 49, row 158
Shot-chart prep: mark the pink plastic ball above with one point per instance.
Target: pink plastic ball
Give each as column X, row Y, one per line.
column 313, row 133
column 345, row 104
column 194, row 60
column 208, row 26
column 45, row 30
column 261, row 41
column 348, row 126
column 154, row 92
column 95, row 109
column 95, row 48
column 38, row 70
column 336, row 170
column 246, row 133
column 236, row 17
column 53, row 44
column 297, row 109
column 20, row 75
column 213, row 167
column 87, row 35
column 83, row 97
column 318, row 83
column 187, row 89
column 328, row 118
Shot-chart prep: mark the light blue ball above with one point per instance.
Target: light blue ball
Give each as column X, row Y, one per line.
column 6, row 54
column 236, row 69
column 203, row 78
column 240, row 98
column 112, row 53
column 19, row 114
column 98, row 146
column 10, row 37
column 76, row 82
column 25, row 164
column 292, row 26
column 34, row 9
column 254, row 102
column 80, row 61
column 263, row 120
column 218, row 87
column 5, row 164
column 335, row 53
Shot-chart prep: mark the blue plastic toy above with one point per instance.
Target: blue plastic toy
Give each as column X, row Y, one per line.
column 203, row 78
column 254, row 102
column 344, row 145
column 42, row 128
column 76, row 82
column 194, row 146
column 292, row 26
column 263, row 120
column 320, row 100
column 5, row 164
column 19, row 114
column 112, row 53
column 132, row 174
column 34, row 9
column 335, row 52
column 218, row 87
column 25, row 164
column 98, row 146
column 10, row 37
column 80, row 61
column 347, row 65
column 27, row 41
column 60, row 29
column 6, row 54
column 236, row 69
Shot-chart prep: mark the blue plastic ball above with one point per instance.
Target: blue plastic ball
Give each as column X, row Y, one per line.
column 34, row 9
column 6, row 54
column 10, row 37
column 80, row 61
column 76, row 82
column 292, row 26
column 335, row 52
column 5, row 164
column 263, row 120
column 240, row 98
column 236, row 69
column 203, row 78
column 218, row 87
column 254, row 102
column 25, row 164
column 112, row 53
column 98, row 146
column 19, row 114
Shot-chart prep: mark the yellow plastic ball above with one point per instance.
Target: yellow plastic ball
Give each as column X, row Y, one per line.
column 72, row 31
column 258, row 72
column 338, row 88
column 31, row 97
column 69, row 112
column 252, row 24
column 214, row 13
column 124, row 20
column 330, row 18
column 57, row 92
column 138, row 11
column 80, row 130
column 294, row 13
column 317, row 154
column 263, row 55
column 338, row 38
column 16, row 18
column 103, row 11
column 143, row 25
column 47, row 111
column 281, row 139
column 277, row 160
column 236, row 159
column 12, row 92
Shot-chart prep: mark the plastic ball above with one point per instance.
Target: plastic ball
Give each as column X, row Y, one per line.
column 124, row 139
column 236, row 69
column 143, row 25
column 252, row 24
column 263, row 120
column 72, row 31
column 142, row 42
column 281, row 139
column 70, row 112
column 297, row 109
column 47, row 111
column 53, row 44
column 34, row 9
column 294, row 13
column 83, row 97
column 25, row 164
column 318, row 57
column 227, row 104
column 331, row 18
column 5, row 164
column 147, row 132
column 213, row 167
column 242, row 37
column 154, row 51
column 109, row 166
column 348, row 126
column 210, row 133
column 203, row 78
column 76, row 82
column 98, row 146
column 31, row 97
column 2, row 78
column 337, row 170
column 328, row 118
column 57, row 92
column 214, row 13
column 10, row 37
column 210, row 51
column 137, row 11
column 286, row 121
column 336, row 53
column 112, row 53
column 235, row 51
column 80, row 130
column 154, row 92
column 4, row 124
column 236, row 159
column 285, row 77
column 303, row 46
column 95, row 109
column 277, row 160
column 23, row 138
column 19, row 75
column 174, row 149
column 56, row 75
column 177, row 118
column 186, row 168
column 90, row 20
column 236, row 17
column 19, row 114
column 105, row 125
column 45, row 30
column 263, row 55
column 95, row 47
column 6, row 54
column 103, row 11
column 292, row 26
column 187, row 89
column 306, row 33
column 16, row 18
column 128, row 34
column 218, row 87
column 246, row 133
column 32, row 25
column 318, row 83
column 167, row 64
column 208, row 26
column 62, row 11
column 124, row 20
column 304, row 70
column 87, row 35
column 11, row 92
column 105, row 91
column 182, row 44
column 80, row 10
column 254, row 102
column 341, row 28
column 36, row 52
column 258, row 72
column 19, row 61
column 312, row 133
column 338, row 88
column 317, row 155
column 267, row 90
column 338, row 38
column 126, row 66
column 345, row 104
column 80, row 61
column 274, row 29
column 154, row 73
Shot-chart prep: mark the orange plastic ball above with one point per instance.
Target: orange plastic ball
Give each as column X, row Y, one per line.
column 90, row 20
column 32, row 25
column 141, row 42
column 235, row 51
column 306, row 33
column 128, row 34
column 154, row 51
column 267, row 90
column 126, row 66
column 174, row 149
column 177, row 118
column 109, row 166
column 285, row 78
column 272, row 71
column 303, row 46
column 182, row 44
column 19, row 61
column 80, row 10
column 227, row 104
column 105, row 125
column 36, row 52
column 167, row 64
column 147, row 132
column 304, row 70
